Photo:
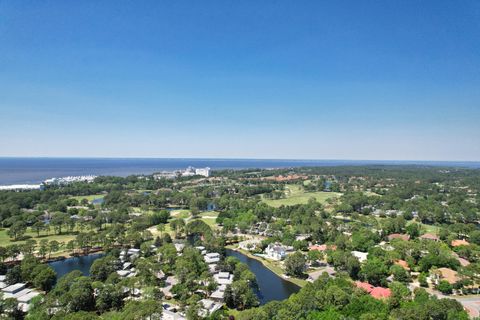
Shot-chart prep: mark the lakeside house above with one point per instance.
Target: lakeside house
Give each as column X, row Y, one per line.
column 276, row 251
column 19, row 292
column 249, row 245
column 212, row 257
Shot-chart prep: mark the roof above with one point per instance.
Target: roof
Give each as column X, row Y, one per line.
column 381, row 293
column 429, row 236
column 457, row 243
column 448, row 274
column 14, row 288
column 404, row 237
column 463, row 262
column 29, row 296
column 376, row 292
column 323, row 247
column 402, row 263
column 364, row 285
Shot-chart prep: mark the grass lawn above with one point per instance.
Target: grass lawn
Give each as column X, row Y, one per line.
column 6, row 241
column 182, row 213
column 90, row 197
column 427, row 227
column 296, row 195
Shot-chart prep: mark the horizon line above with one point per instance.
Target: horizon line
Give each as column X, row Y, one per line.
column 226, row 158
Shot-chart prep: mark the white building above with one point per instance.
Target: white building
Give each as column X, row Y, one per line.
column 276, row 251
column 203, row 172
column 361, row 256
column 170, row 315
column 212, row 257
column 223, row 278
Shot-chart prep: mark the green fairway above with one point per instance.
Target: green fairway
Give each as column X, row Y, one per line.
column 90, row 197
column 296, row 195
column 6, row 241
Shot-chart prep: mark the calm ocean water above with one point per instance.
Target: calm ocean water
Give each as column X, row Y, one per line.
column 36, row 170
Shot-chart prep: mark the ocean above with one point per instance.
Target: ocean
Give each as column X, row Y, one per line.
column 36, row 170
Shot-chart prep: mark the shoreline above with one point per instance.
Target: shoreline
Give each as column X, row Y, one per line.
column 298, row 282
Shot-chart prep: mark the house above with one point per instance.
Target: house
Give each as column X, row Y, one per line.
column 26, row 298
column 14, row 288
column 375, row 292
column 322, row 247
column 451, row 276
column 361, row 256
column 381, row 293
column 219, row 294
column 404, row 237
column 316, row 274
column 249, row 245
column 179, row 246
column 169, row 283
column 212, row 257
column 457, row 243
column 276, row 251
column 402, row 263
column 429, row 236
column 223, row 278
column 209, row 307
column 170, row 315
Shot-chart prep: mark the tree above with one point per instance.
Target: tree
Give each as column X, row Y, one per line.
column 37, row 227
column 295, row 264
column 17, row 230
column 109, row 297
column 103, row 267
column 399, row 274
column 314, row 256
column 161, row 228
column 53, row 246
column 14, row 275
column 240, row 295
column 142, row 310
column 444, row 287
column 413, row 230
column 374, row 271
column 44, row 277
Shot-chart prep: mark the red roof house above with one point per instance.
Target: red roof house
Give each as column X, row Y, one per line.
column 376, row 292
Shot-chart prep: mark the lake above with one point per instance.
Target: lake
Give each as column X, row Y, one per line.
column 270, row 286
column 82, row 263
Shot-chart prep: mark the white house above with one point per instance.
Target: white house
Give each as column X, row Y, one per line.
column 361, row 256
column 212, row 257
column 276, row 251
column 223, row 278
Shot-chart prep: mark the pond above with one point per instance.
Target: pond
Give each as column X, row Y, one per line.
column 270, row 286
column 82, row 263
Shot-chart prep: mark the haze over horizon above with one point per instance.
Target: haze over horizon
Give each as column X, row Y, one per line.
column 344, row 80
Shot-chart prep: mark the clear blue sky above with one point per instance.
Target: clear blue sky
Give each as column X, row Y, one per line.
column 251, row 79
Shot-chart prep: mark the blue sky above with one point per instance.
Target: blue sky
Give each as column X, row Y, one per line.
column 241, row 79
